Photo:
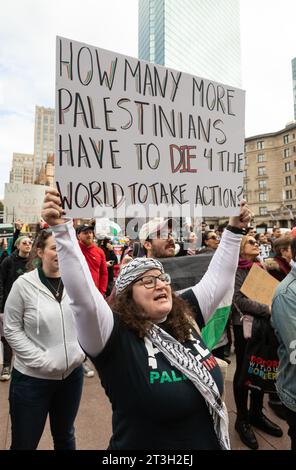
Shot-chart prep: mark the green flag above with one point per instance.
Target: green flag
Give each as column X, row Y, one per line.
column 214, row 328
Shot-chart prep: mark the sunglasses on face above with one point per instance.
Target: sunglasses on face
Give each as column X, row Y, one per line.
column 253, row 243
column 150, row 281
column 27, row 242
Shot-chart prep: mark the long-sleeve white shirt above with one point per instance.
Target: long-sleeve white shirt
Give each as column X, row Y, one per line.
column 94, row 317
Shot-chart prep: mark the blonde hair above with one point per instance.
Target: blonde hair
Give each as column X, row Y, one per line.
column 243, row 243
column 20, row 239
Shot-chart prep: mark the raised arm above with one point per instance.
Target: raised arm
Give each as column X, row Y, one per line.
column 94, row 318
column 220, row 275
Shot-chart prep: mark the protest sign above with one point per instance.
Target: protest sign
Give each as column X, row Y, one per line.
column 131, row 135
column 24, row 202
column 259, row 285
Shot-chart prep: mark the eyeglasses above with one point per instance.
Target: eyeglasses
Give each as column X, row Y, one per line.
column 150, row 281
column 252, row 242
column 27, row 242
column 213, row 237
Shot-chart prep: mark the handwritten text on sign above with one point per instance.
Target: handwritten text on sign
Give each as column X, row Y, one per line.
column 136, row 134
column 23, row 201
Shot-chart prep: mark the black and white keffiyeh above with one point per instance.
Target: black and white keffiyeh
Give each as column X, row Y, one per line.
column 131, row 271
column 181, row 358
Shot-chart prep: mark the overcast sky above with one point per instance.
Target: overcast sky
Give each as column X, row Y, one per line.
column 27, row 59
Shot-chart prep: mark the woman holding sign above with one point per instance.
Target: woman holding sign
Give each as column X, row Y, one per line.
column 249, row 252
column 164, row 385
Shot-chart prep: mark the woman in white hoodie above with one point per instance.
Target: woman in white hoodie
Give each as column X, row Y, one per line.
column 47, row 376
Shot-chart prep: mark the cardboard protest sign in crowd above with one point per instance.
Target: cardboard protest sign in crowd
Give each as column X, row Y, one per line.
column 23, row 201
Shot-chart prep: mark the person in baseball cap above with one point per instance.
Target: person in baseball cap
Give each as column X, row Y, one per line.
column 94, row 256
column 156, row 238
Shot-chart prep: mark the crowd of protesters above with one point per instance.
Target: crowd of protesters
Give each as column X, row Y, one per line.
column 53, row 297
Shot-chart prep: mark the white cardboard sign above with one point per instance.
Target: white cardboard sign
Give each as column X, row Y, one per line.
column 132, row 133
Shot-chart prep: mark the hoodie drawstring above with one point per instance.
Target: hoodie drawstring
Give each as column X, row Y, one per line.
column 38, row 314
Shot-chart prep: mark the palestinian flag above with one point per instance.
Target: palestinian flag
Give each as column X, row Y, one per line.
column 213, row 330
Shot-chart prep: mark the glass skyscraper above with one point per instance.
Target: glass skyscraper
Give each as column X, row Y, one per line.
column 201, row 37
column 294, row 84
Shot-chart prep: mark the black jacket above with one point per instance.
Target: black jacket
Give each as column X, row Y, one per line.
column 245, row 305
column 11, row 268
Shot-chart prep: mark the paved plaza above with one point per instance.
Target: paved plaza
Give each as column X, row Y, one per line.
column 93, row 423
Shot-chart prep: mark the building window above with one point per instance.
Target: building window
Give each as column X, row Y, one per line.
column 262, row 197
column 288, row 166
column 288, row 180
column 261, row 158
column 286, row 153
column 286, row 139
column 289, row 194
column 261, row 170
column 262, row 210
column 262, row 184
column 289, row 206
column 260, row 145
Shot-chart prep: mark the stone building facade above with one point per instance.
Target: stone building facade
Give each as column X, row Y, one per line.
column 270, row 176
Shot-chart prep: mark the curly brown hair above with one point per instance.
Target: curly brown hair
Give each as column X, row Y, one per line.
column 179, row 323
